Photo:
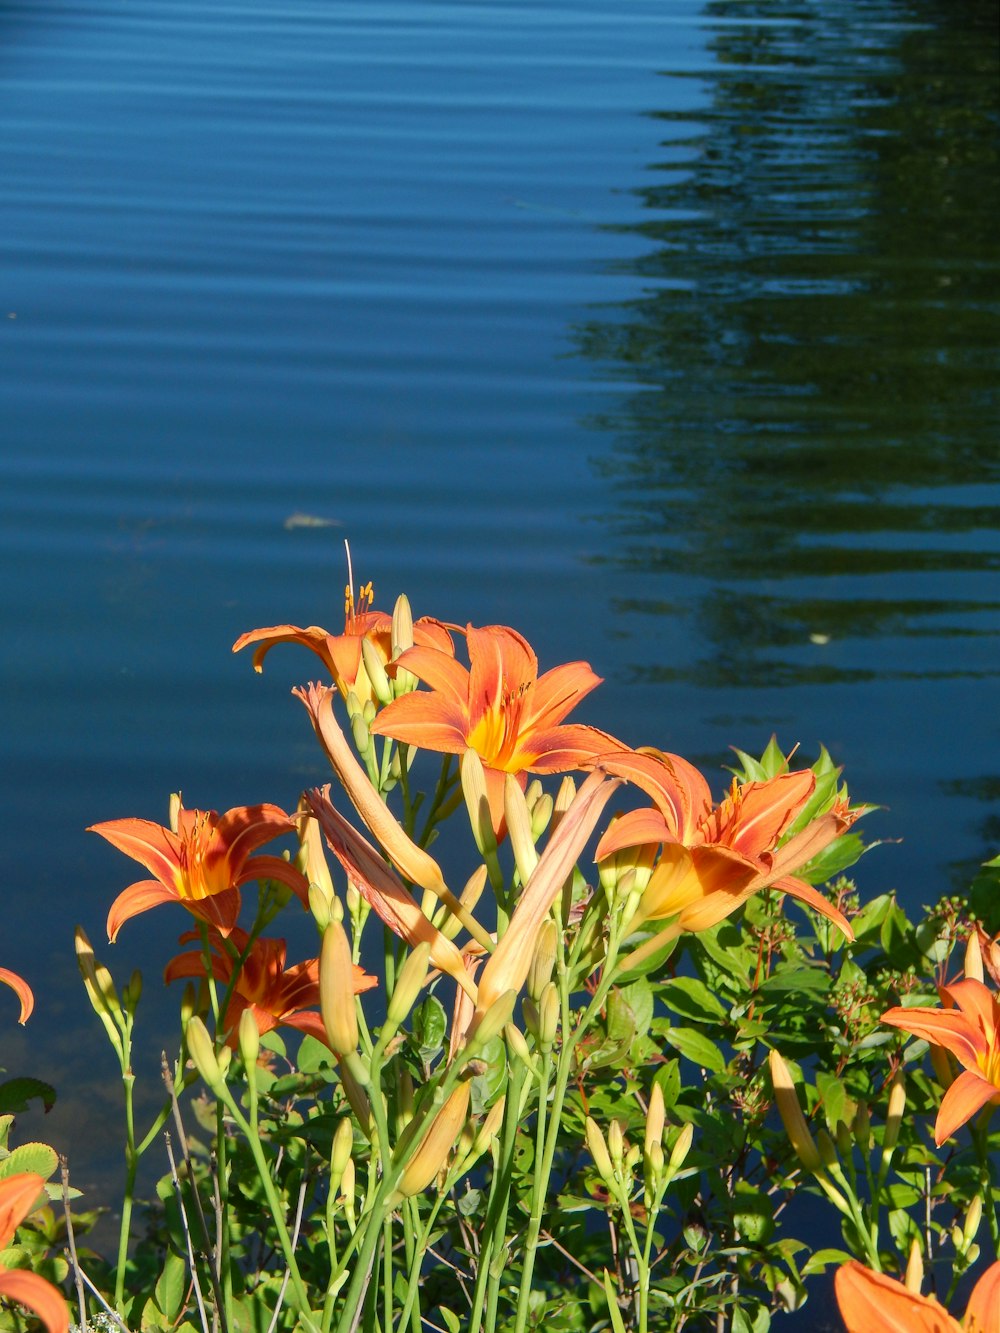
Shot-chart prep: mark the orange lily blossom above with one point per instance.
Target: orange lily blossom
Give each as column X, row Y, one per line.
column 203, row 864
column 500, row 707
column 18, row 1194
column 341, row 654
column 870, row 1301
column 275, row 996
column 714, row 857
column 21, row 989
column 970, row 1029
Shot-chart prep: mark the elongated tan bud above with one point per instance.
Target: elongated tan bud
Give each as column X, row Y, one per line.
column 311, row 859
column 541, row 813
column 174, row 806
column 941, row 1064
column 792, row 1118
column 348, row 1186
column 599, row 1151
column 336, row 990
column 409, row 983
column 543, row 959
column 491, row 1023
column 402, row 626
column 548, row 1016
column 862, row 1127
column 376, row 672
column 490, row 1127
column 894, row 1115
column 477, row 803
column 564, row 799
column 470, row 895
column 432, row 1152
column 249, row 1039
column 655, row 1118
column 681, row 1148
column 518, row 819
column 319, row 906
column 973, row 959
column 914, row 1268
column 972, row 1219
column 201, row 1049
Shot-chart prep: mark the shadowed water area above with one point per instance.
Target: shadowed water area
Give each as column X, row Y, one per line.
column 667, row 335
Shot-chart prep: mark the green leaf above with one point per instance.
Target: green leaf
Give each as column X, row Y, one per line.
column 616, row 1315
column 314, row 1056
column 815, row 980
column 692, row 999
column 833, row 1095
column 430, row 1023
column 36, row 1157
column 834, row 859
column 669, row 1079
column 451, row 1320
column 17, row 1092
column 822, row 1259
column 697, row 1048
column 171, row 1287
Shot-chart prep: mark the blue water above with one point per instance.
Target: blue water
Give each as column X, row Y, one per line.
column 665, row 333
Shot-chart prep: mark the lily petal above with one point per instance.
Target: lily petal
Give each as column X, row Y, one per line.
column 982, row 1314
column 968, row 1094
column 22, row 990
column 558, row 691
column 942, row 1027
column 681, row 793
column 33, row 1291
column 870, row 1301
column 805, row 893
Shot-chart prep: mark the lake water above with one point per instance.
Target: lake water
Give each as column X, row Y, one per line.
column 666, row 332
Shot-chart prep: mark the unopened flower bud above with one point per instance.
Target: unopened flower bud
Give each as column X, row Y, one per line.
column 616, row 1143
column 490, row 1127
column 541, row 814
column 862, row 1127
column 894, row 1115
column 402, row 626
column 790, row 1111
column 450, row 924
column 653, row 1166
column 336, row 990
column 548, row 1016
column 681, row 1148
column 827, row 1151
column 189, row 1004
column 972, row 1256
column 376, row 672
column 134, row 991
column 563, row 801
column 973, row 959
column 914, row 1268
column 942, row 1066
column 432, row 1152
column 202, row 1052
column 530, row 1012
column 477, row 803
column 340, row 1155
column 519, row 827
column 532, row 793
column 544, row 958
column 518, row 1046
column 599, row 1151
column 174, row 806
column 249, row 1038
column 491, row 1023
column 319, row 906
column 348, row 1185
column 409, row 983
column 360, row 733
column 972, row 1219
column 655, row 1117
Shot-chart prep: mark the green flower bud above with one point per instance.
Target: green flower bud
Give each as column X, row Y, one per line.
column 249, row 1039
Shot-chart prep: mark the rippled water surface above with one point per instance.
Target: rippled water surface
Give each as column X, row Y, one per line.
column 666, row 332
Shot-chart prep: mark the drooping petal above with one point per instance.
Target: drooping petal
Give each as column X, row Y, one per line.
column 312, row 637
column 805, row 893
column 874, row 1303
column 137, row 898
column 810, row 841
column 556, row 749
column 428, row 721
column 33, row 1291
column 382, row 889
column 967, row 1095
column 152, row 845
column 679, row 790
column 21, row 989
column 276, row 868
column 979, row 1005
column 508, row 967
column 636, row 828
column 982, row 1314
column 942, row 1027
column 558, row 691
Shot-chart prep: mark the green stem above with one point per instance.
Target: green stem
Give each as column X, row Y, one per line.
column 487, row 1280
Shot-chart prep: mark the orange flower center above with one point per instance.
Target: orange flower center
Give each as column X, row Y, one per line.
column 354, row 609
column 495, row 736
column 202, row 866
column 989, row 1065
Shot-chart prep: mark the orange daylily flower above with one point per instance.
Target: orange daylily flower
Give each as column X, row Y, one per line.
column 500, row 707
column 21, row 989
column 970, row 1029
column 203, row 864
column 275, row 996
column 713, row 857
column 870, row 1300
column 18, row 1194
column 341, row 653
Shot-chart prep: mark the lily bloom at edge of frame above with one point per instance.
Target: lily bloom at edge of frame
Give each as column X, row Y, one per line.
column 714, row 857
column 870, row 1300
column 21, row 989
column 500, row 707
column 970, row 1030
column 18, row 1194
column 203, row 864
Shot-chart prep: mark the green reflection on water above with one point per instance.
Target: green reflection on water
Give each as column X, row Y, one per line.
column 816, row 345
